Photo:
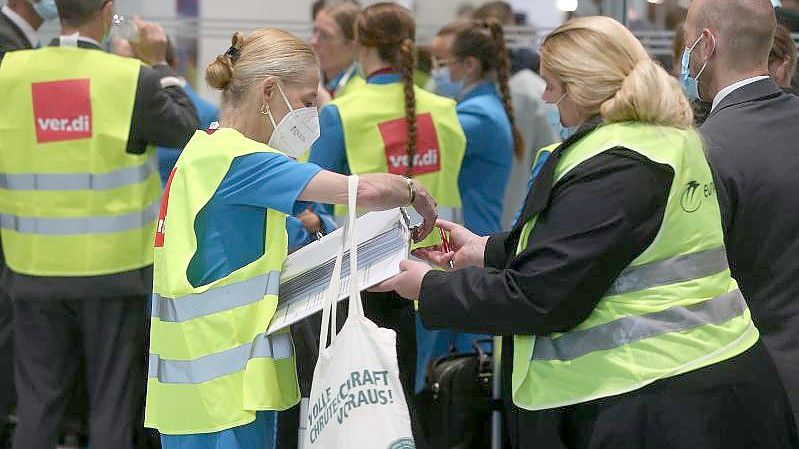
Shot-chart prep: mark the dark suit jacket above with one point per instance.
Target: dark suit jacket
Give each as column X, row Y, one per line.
column 11, row 37
column 752, row 139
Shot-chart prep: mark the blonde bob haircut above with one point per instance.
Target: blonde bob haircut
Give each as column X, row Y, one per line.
column 606, row 71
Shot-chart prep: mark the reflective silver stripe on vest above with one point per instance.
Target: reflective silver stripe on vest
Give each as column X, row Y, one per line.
column 670, row 271
column 80, row 225
column 215, row 300
column 630, row 329
column 79, row 181
column 277, row 347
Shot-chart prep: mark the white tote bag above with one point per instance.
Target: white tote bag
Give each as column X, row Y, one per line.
column 357, row 400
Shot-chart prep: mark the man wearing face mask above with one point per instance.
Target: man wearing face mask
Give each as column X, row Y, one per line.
column 80, row 195
column 19, row 20
column 751, row 137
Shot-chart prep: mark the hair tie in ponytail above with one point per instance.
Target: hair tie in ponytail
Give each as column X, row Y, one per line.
column 234, row 53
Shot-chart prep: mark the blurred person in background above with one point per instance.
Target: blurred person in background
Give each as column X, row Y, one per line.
column 477, row 61
column 206, row 112
column 526, row 87
column 333, row 40
column 782, row 59
column 389, row 125
column 221, row 244
column 79, row 204
column 750, row 137
column 520, row 58
column 530, row 112
column 628, row 329
column 19, row 20
column 788, row 14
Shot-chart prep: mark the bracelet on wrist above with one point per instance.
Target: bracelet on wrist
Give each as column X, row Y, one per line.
column 411, row 191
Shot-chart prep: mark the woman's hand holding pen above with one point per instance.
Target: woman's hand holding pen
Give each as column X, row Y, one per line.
column 462, row 248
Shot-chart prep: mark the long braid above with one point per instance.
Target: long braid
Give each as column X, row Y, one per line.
column 503, row 74
column 406, row 65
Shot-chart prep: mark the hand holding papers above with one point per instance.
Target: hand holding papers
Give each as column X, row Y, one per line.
column 383, row 240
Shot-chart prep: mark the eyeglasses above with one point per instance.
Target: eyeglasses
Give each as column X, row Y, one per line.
column 439, row 63
column 326, row 37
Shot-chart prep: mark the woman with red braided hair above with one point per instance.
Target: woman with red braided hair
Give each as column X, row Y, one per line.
column 391, row 126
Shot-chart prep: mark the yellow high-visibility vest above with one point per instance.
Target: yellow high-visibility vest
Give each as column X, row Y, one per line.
column 212, row 366
column 674, row 309
column 73, row 202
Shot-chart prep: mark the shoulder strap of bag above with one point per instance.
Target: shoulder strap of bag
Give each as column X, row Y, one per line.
column 355, row 306
column 348, row 239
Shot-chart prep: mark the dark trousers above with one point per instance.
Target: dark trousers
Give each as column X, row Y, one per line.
column 387, row 310
column 8, row 395
column 51, row 340
column 736, row 404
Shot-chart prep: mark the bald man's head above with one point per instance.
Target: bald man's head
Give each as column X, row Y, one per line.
column 743, row 29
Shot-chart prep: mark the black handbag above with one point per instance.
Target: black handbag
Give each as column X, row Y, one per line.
column 456, row 403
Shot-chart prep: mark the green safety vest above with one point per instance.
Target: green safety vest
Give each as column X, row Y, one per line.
column 73, row 202
column 211, row 364
column 373, row 119
column 674, row 309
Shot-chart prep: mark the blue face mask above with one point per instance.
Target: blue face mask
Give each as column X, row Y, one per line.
column 444, row 84
column 553, row 116
column 691, row 84
column 46, row 9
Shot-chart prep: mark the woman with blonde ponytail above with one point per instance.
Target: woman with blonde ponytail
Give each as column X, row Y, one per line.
column 628, row 329
column 215, row 377
column 391, row 126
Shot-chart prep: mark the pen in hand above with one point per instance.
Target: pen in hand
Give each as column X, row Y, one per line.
column 445, row 245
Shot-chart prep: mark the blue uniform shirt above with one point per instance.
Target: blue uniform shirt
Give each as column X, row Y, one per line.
column 488, row 158
column 230, row 228
column 299, row 236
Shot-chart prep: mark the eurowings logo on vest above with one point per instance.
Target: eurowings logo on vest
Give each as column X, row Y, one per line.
column 62, row 110
column 428, row 156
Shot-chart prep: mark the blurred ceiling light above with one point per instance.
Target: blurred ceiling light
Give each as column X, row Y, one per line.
column 567, row 5
column 656, row 2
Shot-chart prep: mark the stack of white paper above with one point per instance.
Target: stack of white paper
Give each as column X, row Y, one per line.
column 383, row 241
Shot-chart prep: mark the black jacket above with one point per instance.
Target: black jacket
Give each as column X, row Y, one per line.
column 752, row 139
column 11, row 37
column 594, row 222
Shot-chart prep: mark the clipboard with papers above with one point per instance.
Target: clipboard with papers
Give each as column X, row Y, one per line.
column 383, row 240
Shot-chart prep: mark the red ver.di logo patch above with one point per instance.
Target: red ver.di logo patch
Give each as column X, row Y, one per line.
column 428, row 156
column 62, row 110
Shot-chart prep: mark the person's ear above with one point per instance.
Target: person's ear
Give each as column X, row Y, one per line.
column 267, row 89
column 709, row 43
column 351, row 47
column 107, row 11
column 472, row 67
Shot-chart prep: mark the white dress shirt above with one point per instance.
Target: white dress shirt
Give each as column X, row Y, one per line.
column 732, row 88
column 27, row 29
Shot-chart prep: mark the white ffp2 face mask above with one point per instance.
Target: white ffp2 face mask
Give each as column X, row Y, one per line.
column 297, row 130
